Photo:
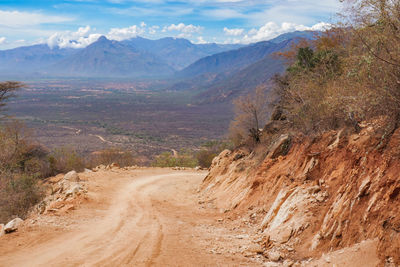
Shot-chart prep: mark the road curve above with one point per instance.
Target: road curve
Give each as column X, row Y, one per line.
column 143, row 218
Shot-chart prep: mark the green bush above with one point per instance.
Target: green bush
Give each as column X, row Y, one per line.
column 183, row 159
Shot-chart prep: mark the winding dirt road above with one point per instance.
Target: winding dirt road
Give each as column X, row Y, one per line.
column 145, row 217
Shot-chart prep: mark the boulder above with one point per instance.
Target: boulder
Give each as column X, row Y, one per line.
column 74, row 190
column 114, row 166
column 274, row 255
column 72, row 176
column 281, row 147
column 12, row 225
column 100, row 168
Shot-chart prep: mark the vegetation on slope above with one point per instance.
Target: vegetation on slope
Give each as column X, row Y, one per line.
column 347, row 75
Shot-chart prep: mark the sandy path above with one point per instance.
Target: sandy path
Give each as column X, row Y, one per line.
column 132, row 218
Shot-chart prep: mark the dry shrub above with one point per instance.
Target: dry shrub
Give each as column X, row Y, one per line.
column 113, row 155
column 251, row 114
column 19, row 153
column 349, row 74
column 65, row 159
column 18, row 193
column 210, row 150
column 205, row 157
column 22, row 163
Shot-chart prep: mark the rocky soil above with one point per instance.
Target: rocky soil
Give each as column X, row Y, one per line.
column 331, row 200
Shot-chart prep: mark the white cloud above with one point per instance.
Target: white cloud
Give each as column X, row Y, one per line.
column 233, row 32
column 181, row 27
column 2, row 40
column 21, row 19
column 153, row 29
column 79, row 39
column 322, row 26
column 120, row 34
column 271, row 30
column 200, row 40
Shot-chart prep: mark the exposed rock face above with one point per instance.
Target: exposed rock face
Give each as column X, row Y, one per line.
column 63, row 192
column 12, row 225
column 318, row 195
column 72, row 176
column 290, row 213
column 281, row 147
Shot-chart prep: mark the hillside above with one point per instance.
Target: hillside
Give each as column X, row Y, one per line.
column 243, row 81
column 225, row 76
column 311, row 196
column 231, row 61
column 237, row 59
column 319, row 178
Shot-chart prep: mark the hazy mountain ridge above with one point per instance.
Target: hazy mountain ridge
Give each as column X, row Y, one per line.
column 204, row 67
column 32, row 58
column 224, row 76
column 106, row 57
column 177, row 52
column 229, row 61
column 133, row 58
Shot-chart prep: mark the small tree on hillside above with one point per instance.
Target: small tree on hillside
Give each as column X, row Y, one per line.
column 251, row 113
column 7, row 90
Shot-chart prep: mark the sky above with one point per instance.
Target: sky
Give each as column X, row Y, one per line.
column 78, row 23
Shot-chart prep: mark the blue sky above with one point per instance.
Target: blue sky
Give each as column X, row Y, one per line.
column 77, row 23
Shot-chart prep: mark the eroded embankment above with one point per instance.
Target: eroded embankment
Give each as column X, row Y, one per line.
column 325, row 194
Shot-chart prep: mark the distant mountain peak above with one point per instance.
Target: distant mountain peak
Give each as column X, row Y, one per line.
column 102, row 39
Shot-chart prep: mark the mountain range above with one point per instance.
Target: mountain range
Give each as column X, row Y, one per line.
column 215, row 72
column 134, row 58
column 224, row 76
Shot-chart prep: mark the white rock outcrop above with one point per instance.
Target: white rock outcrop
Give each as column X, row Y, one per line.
column 12, row 225
column 71, row 176
column 291, row 213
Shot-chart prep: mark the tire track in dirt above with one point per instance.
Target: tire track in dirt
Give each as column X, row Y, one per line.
column 157, row 248
column 134, row 218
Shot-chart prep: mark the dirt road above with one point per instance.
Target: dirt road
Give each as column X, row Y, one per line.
column 146, row 217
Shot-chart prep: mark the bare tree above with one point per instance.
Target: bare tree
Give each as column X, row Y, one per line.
column 7, row 90
column 251, row 113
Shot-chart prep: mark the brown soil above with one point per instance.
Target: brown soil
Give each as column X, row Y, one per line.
column 349, row 193
column 144, row 217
